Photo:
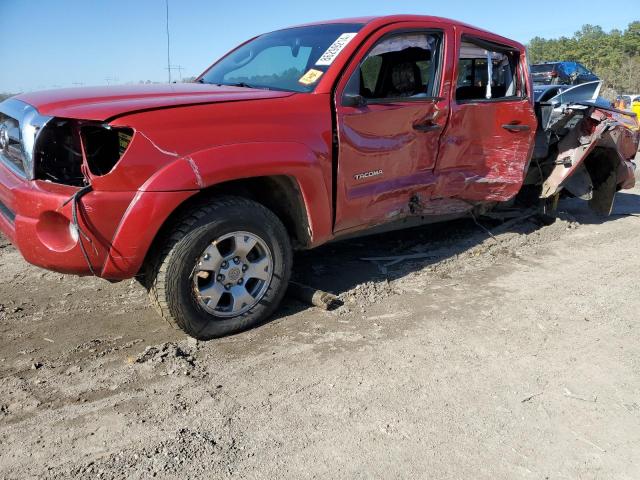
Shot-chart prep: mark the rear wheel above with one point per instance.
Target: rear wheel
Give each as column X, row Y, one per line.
column 224, row 268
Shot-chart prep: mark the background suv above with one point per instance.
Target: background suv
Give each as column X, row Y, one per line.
column 561, row 73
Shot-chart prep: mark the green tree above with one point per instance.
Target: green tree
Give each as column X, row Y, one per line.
column 614, row 56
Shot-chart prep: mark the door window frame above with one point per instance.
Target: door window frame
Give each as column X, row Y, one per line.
column 382, row 101
column 489, row 45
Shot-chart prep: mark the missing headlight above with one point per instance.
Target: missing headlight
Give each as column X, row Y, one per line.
column 104, row 146
column 58, row 155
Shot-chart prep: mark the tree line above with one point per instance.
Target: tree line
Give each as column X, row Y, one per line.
column 614, row 56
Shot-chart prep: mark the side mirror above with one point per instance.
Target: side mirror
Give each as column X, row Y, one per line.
column 352, row 100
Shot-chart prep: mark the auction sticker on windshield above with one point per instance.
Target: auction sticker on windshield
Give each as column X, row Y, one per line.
column 334, row 50
column 312, row 76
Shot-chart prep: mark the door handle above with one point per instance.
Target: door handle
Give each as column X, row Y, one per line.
column 514, row 127
column 426, row 127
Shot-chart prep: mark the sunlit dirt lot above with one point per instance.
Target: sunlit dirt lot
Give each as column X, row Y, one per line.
column 488, row 358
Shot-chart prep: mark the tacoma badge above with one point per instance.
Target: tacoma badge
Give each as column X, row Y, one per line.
column 362, row 176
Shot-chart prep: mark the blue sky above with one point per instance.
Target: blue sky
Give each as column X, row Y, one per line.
column 62, row 43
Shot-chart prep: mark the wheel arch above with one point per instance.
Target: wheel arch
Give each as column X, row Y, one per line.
column 292, row 167
column 285, row 177
column 279, row 193
column 605, row 167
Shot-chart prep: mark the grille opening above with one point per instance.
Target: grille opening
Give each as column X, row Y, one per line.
column 104, row 146
column 58, row 155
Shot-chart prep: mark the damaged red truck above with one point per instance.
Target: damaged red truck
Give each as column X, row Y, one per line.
column 295, row 138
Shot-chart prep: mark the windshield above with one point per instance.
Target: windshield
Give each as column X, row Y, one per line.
column 291, row 60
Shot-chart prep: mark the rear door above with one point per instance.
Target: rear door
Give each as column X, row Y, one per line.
column 487, row 145
column 390, row 116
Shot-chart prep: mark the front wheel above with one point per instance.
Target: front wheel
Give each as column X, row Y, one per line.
column 224, row 268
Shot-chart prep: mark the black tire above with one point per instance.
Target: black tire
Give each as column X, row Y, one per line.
column 169, row 274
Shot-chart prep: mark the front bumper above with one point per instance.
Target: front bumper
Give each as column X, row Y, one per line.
column 34, row 219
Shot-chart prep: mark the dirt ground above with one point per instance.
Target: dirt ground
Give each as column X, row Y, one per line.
column 489, row 358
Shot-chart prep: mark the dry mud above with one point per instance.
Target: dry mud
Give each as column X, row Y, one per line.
column 513, row 356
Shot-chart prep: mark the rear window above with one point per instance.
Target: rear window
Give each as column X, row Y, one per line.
column 548, row 67
column 488, row 71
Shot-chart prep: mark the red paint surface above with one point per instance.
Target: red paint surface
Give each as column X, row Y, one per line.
column 209, row 135
column 100, row 103
column 40, row 229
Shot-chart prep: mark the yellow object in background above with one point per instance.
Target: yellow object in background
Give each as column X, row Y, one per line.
column 635, row 107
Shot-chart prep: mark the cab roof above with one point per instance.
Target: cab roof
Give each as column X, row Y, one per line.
column 389, row 19
column 375, row 22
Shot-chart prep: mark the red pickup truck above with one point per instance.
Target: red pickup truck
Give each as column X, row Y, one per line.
column 295, row 138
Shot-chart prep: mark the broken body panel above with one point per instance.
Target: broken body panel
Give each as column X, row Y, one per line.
column 584, row 148
column 328, row 166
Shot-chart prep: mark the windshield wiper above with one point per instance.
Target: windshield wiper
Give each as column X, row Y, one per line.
column 244, row 85
column 234, row 84
column 238, row 84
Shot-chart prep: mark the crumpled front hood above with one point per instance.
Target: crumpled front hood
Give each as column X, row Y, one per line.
column 103, row 103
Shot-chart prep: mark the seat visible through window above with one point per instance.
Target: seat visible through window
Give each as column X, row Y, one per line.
column 401, row 73
column 486, row 73
column 401, row 66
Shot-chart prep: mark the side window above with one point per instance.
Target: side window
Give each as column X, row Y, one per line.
column 399, row 66
column 465, row 72
column 582, row 70
column 570, row 68
column 488, row 72
column 370, row 71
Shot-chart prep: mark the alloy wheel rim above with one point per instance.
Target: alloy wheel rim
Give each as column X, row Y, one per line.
column 232, row 274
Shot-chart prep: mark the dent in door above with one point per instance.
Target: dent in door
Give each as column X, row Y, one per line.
column 476, row 167
column 369, row 139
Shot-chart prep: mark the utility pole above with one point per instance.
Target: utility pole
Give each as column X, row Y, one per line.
column 179, row 68
column 168, row 43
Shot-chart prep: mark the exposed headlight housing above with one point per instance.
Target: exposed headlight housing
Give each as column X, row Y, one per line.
column 104, row 146
column 64, row 144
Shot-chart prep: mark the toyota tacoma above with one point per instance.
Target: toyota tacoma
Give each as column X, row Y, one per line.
column 295, row 138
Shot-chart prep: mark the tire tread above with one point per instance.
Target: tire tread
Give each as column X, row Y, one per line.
column 160, row 267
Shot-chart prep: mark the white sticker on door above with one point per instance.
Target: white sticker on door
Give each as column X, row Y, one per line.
column 334, row 50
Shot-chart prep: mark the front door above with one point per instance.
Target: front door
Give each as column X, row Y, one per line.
column 390, row 118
